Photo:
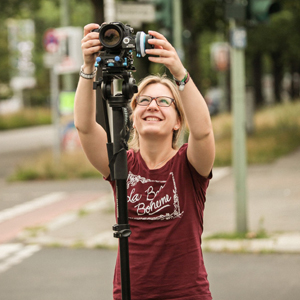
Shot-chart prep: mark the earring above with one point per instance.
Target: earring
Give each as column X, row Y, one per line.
column 176, row 128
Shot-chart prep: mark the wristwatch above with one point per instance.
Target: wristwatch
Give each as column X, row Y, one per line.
column 87, row 76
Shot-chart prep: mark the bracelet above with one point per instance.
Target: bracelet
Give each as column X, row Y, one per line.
column 181, row 83
column 87, row 76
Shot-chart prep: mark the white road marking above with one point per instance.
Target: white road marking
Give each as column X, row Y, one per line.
column 8, row 249
column 13, row 254
column 102, row 203
column 21, row 209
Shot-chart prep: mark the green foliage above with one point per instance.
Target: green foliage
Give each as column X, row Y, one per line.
column 238, row 235
column 273, row 124
column 43, row 167
column 11, row 8
column 25, row 118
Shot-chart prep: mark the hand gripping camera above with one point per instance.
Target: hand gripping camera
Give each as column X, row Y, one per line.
column 118, row 42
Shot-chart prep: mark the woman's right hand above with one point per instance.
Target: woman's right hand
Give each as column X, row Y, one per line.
column 90, row 46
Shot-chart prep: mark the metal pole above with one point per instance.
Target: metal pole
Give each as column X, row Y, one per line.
column 177, row 40
column 177, row 28
column 239, row 132
column 109, row 11
column 67, row 79
column 55, row 114
column 64, row 13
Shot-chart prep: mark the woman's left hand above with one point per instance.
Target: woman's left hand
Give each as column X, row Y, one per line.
column 165, row 54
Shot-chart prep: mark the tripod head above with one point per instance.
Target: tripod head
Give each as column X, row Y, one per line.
column 129, row 88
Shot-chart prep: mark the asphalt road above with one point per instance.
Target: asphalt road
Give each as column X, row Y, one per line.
column 77, row 274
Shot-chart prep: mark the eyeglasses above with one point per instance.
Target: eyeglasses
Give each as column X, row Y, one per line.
column 162, row 101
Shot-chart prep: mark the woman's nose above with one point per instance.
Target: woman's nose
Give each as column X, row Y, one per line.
column 153, row 105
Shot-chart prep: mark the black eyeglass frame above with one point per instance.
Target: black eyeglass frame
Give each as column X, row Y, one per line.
column 155, row 98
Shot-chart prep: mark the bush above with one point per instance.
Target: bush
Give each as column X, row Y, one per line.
column 70, row 166
column 25, row 118
column 277, row 133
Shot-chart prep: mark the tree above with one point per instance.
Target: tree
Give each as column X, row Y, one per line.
column 98, row 11
column 279, row 40
column 198, row 17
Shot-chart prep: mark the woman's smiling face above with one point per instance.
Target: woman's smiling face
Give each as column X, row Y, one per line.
column 154, row 119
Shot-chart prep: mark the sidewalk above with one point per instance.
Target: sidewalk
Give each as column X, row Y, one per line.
column 273, row 205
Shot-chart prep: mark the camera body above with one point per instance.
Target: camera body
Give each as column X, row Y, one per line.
column 119, row 42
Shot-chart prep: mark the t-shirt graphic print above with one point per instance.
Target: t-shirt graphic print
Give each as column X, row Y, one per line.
column 155, row 200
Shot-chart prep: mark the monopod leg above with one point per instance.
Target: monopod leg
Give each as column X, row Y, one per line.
column 122, row 228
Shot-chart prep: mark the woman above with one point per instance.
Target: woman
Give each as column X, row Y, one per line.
column 166, row 186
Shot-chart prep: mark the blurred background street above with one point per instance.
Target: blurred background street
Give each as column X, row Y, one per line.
column 56, row 211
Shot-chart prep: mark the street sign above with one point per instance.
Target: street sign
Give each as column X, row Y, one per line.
column 69, row 49
column 50, row 40
column 21, row 37
column 63, row 50
column 238, row 38
column 134, row 13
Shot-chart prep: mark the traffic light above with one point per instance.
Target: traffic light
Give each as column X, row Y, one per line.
column 260, row 10
column 164, row 12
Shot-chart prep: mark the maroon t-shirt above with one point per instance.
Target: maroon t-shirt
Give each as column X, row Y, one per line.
column 165, row 209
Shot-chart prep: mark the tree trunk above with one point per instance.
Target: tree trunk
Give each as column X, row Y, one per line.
column 192, row 59
column 277, row 75
column 98, row 11
column 294, row 89
column 257, row 79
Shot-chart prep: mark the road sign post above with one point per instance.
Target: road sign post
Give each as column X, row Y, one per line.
column 135, row 13
column 238, row 44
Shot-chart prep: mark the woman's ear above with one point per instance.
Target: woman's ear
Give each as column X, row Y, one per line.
column 178, row 124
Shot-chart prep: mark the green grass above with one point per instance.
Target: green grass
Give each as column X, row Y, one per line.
column 261, row 234
column 277, row 133
column 43, row 167
column 25, row 118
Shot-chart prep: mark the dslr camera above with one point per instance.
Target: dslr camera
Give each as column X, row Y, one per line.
column 119, row 42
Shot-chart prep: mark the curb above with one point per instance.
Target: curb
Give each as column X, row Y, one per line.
column 279, row 243
column 288, row 242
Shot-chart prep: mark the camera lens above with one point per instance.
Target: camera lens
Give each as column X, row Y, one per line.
column 111, row 37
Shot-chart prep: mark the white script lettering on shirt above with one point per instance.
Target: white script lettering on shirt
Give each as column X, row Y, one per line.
column 151, row 194
column 132, row 198
column 153, row 207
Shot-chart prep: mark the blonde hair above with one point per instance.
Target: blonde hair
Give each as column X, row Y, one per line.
column 162, row 79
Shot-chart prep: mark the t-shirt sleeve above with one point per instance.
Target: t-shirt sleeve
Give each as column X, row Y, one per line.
column 198, row 179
